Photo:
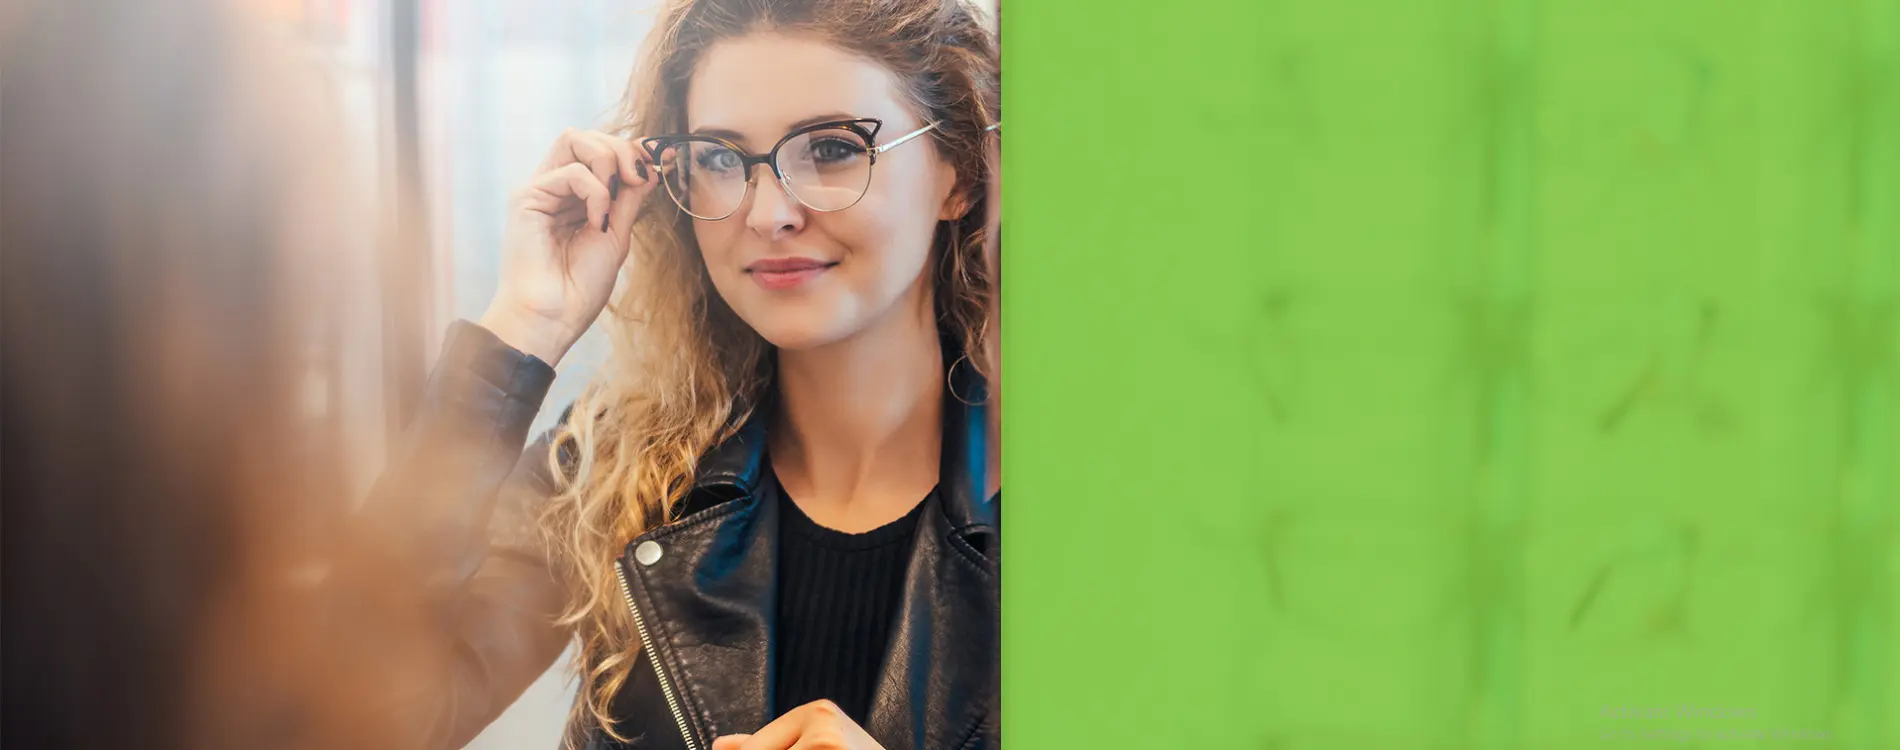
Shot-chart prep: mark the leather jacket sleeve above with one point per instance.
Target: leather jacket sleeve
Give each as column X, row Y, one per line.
column 456, row 506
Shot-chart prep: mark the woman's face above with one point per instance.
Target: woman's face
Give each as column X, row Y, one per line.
column 867, row 263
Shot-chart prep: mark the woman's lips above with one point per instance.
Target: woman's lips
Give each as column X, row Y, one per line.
column 778, row 274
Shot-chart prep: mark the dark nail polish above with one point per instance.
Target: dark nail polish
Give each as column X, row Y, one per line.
column 603, row 222
column 641, row 168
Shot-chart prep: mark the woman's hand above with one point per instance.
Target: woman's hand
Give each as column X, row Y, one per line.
column 820, row 725
column 568, row 234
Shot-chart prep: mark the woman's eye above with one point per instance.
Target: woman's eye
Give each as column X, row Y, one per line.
column 833, row 150
column 718, row 160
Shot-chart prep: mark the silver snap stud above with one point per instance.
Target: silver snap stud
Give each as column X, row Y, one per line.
column 647, row 553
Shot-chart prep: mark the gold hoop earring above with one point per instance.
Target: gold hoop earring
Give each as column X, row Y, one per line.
column 950, row 382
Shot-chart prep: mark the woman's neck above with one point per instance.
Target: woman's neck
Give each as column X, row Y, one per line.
column 858, row 437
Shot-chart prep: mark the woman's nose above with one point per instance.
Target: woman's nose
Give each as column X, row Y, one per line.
column 774, row 213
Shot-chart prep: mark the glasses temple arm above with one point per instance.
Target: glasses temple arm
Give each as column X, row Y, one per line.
column 997, row 128
column 905, row 139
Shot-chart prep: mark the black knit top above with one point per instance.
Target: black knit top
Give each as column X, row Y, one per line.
column 838, row 596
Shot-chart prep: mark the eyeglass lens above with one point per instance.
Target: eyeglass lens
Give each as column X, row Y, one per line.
column 827, row 170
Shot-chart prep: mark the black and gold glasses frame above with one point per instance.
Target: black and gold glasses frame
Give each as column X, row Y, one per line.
column 825, row 166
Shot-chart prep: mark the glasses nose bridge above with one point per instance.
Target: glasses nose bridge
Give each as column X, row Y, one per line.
column 768, row 160
column 751, row 163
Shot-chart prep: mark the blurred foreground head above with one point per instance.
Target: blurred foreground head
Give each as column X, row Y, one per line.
column 167, row 199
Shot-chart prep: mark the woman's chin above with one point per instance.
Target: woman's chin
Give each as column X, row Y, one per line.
column 792, row 335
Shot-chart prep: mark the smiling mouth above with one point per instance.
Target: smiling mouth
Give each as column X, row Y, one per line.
column 785, row 273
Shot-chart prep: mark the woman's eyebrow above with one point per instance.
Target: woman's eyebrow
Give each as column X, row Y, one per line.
column 737, row 137
column 730, row 135
column 828, row 117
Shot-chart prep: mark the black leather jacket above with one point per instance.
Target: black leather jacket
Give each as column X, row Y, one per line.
column 701, row 586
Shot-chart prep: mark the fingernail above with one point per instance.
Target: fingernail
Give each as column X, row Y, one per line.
column 603, row 222
column 641, row 168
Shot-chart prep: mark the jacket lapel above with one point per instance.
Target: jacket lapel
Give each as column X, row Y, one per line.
column 710, row 596
column 940, row 683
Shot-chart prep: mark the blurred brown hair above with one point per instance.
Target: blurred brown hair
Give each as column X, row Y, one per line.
column 163, row 189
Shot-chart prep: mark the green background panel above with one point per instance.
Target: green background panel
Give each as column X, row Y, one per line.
column 1436, row 375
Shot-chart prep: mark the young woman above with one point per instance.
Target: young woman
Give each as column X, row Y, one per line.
column 772, row 520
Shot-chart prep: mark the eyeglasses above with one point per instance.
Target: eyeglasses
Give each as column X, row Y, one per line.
column 825, row 166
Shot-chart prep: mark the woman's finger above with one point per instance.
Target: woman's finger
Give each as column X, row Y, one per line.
column 628, row 197
column 827, row 742
column 628, row 157
column 587, row 148
column 781, row 734
column 574, row 213
column 786, row 731
column 819, row 725
column 555, row 191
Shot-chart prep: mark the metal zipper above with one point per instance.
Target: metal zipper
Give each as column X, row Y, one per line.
column 653, row 657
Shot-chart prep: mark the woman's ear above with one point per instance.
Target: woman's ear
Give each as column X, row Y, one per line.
column 958, row 196
column 958, row 204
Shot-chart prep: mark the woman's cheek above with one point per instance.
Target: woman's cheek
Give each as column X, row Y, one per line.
column 712, row 246
column 894, row 238
column 719, row 249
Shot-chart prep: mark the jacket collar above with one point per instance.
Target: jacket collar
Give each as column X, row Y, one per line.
column 738, row 463
column 734, row 468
